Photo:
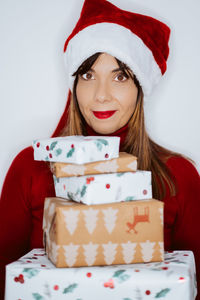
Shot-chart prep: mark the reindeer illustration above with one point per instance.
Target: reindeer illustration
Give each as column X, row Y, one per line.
column 138, row 218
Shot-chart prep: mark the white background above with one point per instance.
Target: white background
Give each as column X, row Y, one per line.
column 33, row 86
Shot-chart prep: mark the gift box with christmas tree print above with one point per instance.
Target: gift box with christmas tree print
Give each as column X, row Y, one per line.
column 105, row 188
column 76, row 149
column 34, row 277
column 119, row 233
column 124, row 163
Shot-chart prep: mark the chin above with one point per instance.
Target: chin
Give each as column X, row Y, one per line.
column 104, row 130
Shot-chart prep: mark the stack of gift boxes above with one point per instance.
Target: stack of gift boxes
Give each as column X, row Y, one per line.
column 103, row 215
column 103, row 212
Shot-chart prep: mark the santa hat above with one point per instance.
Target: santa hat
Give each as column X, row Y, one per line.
column 139, row 41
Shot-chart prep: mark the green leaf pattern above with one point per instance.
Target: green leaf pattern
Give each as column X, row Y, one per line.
column 30, row 272
column 70, row 152
column 118, row 273
column 129, row 198
column 162, row 293
column 58, row 151
column 52, row 146
column 37, row 296
column 100, row 143
column 70, row 288
column 83, row 191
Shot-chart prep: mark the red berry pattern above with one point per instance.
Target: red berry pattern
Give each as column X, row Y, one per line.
column 38, row 145
column 19, row 279
column 47, row 147
column 89, row 274
column 109, row 283
column 107, row 185
column 89, row 179
column 106, row 155
column 56, row 287
column 148, row 292
column 144, row 192
column 181, row 278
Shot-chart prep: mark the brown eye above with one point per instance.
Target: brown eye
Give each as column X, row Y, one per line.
column 87, row 76
column 121, row 77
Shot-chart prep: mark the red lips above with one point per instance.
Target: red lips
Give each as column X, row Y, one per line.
column 104, row 114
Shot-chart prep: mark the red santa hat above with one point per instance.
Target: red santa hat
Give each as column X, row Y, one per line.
column 139, row 41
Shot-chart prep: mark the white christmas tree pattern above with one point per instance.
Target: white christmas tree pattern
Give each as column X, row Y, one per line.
column 161, row 215
column 74, row 169
column 71, row 219
column 51, row 209
column 54, row 252
column 128, row 250
column 147, row 250
column 133, row 165
column 71, row 252
column 90, row 252
column 161, row 244
column 46, row 204
column 118, row 194
column 107, row 167
column 110, row 217
column 109, row 252
column 90, row 217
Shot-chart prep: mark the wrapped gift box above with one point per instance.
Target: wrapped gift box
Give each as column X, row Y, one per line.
column 76, row 149
column 119, row 233
column 124, row 163
column 105, row 188
column 35, row 277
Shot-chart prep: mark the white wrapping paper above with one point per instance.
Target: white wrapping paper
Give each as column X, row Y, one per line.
column 35, row 277
column 105, row 188
column 76, row 149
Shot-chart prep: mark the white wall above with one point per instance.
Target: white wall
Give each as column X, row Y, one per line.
column 33, row 87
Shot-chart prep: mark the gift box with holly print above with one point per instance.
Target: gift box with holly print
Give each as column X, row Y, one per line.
column 105, row 188
column 76, row 149
column 124, row 163
column 119, row 233
column 34, row 277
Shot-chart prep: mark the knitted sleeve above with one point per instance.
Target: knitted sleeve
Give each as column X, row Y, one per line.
column 182, row 212
column 15, row 215
column 26, row 185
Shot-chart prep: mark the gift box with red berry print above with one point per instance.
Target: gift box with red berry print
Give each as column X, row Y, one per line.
column 124, row 163
column 34, row 277
column 119, row 233
column 76, row 149
column 105, row 188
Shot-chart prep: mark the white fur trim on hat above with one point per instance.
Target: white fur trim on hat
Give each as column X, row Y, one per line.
column 119, row 42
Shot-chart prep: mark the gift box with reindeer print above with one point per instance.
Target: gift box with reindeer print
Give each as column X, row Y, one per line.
column 105, row 234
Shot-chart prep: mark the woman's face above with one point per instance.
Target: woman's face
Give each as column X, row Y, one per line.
column 106, row 96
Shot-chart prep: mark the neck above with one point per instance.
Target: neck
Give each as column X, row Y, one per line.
column 122, row 133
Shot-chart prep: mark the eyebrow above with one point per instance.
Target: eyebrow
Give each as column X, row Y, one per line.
column 113, row 71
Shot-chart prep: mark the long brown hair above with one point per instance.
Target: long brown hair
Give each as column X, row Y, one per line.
column 150, row 155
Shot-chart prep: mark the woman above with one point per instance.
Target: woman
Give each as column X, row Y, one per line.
column 114, row 58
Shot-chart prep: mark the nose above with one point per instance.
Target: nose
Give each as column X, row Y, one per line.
column 103, row 92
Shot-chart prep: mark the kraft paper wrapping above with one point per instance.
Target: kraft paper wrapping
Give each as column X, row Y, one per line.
column 76, row 149
column 33, row 276
column 124, row 163
column 119, row 233
column 105, row 188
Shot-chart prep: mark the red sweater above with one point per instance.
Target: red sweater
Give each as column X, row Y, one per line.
column 28, row 182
